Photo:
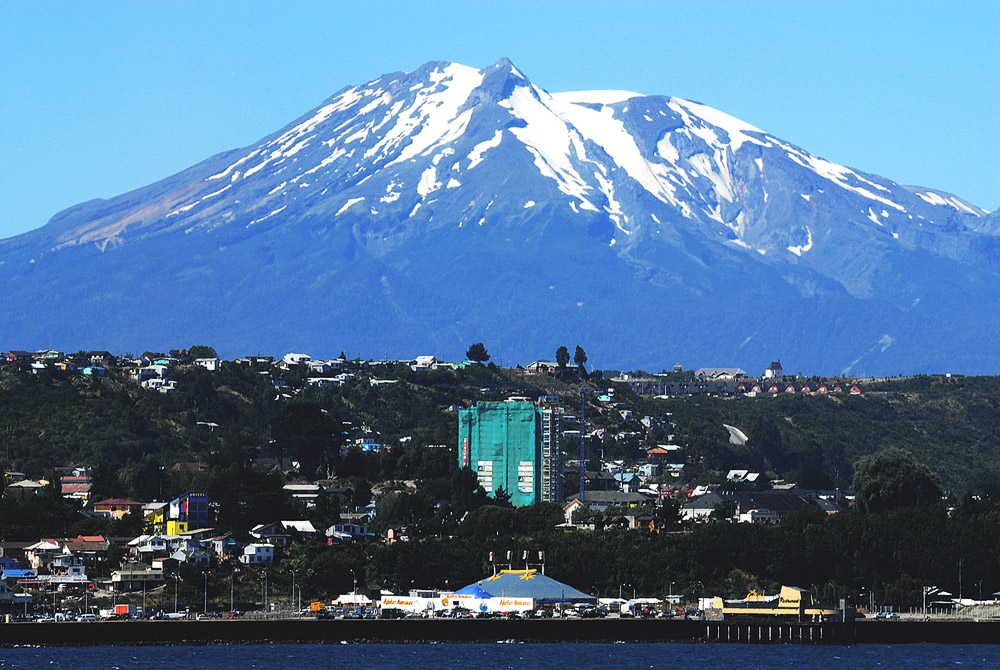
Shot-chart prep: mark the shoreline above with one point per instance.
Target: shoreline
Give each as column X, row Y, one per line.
column 492, row 631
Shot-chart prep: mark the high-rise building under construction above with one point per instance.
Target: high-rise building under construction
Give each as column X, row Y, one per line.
column 516, row 446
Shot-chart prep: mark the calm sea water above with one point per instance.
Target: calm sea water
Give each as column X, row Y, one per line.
column 502, row 657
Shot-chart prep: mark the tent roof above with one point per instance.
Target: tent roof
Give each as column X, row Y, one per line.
column 529, row 584
column 475, row 590
column 353, row 599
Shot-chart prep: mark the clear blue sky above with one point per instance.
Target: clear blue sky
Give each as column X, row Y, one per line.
column 97, row 98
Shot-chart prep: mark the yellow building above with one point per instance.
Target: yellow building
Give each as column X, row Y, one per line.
column 188, row 512
column 116, row 508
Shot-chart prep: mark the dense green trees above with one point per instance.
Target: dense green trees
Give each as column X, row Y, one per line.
column 304, row 432
column 562, row 356
column 477, row 353
column 202, row 351
column 893, row 478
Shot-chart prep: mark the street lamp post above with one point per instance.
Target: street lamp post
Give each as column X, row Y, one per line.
column 232, row 589
column 205, row 607
column 300, row 595
column 265, row 591
column 176, row 580
column 293, row 590
column 354, row 590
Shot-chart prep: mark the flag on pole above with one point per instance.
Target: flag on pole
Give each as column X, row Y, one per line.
column 510, row 555
column 525, row 556
column 541, row 556
column 492, row 557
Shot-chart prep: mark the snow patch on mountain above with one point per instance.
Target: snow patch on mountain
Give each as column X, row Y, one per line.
column 736, row 129
column 475, row 156
column 840, row 175
column 932, row 198
column 435, row 111
column 347, row 205
column 428, row 182
column 802, row 248
column 549, row 140
column 604, row 129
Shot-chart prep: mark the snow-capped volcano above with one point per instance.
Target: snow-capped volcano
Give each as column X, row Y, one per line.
column 425, row 210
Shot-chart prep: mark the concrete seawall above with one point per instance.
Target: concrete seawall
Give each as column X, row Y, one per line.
column 477, row 630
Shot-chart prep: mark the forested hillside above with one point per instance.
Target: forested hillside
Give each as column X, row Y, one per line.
column 54, row 419
column 225, row 433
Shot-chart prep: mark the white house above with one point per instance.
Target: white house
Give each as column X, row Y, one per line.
column 291, row 359
column 423, row 362
column 210, row 364
column 257, row 554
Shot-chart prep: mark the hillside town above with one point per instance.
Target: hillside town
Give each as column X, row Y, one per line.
column 596, row 453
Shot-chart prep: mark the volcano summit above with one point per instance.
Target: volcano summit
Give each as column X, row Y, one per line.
column 424, row 211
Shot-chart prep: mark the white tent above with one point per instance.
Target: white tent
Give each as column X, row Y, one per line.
column 353, row 599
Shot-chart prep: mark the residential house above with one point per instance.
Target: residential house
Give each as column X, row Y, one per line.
column 256, row 361
column 598, row 481
column 76, row 488
column 651, row 469
column 292, row 360
column 748, row 507
column 307, row 494
column 629, row 482
column 569, row 509
column 193, row 555
column 148, row 547
column 116, row 508
column 282, row 533
column 742, row 476
column 225, row 546
column 136, row 577
column 257, row 554
column 423, row 363
column 210, row 364
column 599, row 501
column 542, row 366
column 663, row 452
column 719, row 373
column 323, row 382
column 24, row 489
column 52, row 553
column 347, row 532
column 41, row 555
column 774, row 370
column 102, row 358
column 166, row 386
